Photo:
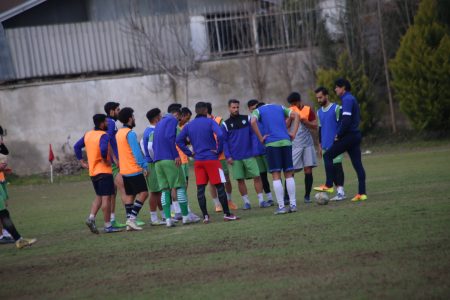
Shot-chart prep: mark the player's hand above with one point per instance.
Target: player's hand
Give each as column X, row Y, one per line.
column 264, row 138
column 178, row 161
column 84, row 164
column 230, row 161
column 145, row 172
column 292, row 136
column 3, row 166
column 7, row 170
column 319, row 151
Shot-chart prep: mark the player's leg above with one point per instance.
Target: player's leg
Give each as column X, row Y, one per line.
column 252, row 171
column 338, row 178
column 309, row 162
column 201, row 179
column 95, row 206
column 308, row 183
column 238, row 171
column 355, row 155
column 275, row 163
column 8, row 224
column 288, row 169
column 339, row 147
column 263, row 168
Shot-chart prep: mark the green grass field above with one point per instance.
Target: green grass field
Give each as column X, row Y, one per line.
column 395, row 245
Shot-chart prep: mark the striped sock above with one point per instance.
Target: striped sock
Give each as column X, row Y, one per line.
column 136, row 208
column 165, row 201
column 182, row 200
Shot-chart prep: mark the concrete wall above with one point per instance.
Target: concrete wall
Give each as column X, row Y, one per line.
column 38, row 115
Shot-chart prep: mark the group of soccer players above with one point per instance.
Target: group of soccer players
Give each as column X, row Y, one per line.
column 271, row 139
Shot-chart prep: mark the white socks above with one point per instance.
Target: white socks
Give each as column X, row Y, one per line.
column 216, row 201
column 279, row 192
column 154, row 216
column 113, row 217
column 340, row 190
column 245, row 199
column 269, row 196
column 228, row 197
column 260, row 198
column 290, row 186
column 176, row 207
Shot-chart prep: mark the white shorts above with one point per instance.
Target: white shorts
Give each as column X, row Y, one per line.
column 304, row 157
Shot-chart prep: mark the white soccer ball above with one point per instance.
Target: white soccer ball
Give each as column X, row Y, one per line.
column 322, row 198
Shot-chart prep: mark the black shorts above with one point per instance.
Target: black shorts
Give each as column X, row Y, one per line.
column 103, row 184
column 135, row 184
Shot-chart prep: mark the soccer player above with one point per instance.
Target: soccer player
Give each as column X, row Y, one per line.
column 347, row 139
column 278, row 144
column 112, row 110
column 96, row 143
column 132, row 166
column 238, row 150
column 5, row 218
column 168, row 164
column 153, row 116
column 329, row 119
column 223, row 161
column 206, row 149
column 259, row 152
column 303, row 151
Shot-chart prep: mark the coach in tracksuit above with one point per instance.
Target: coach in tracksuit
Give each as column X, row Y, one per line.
column 238, row 150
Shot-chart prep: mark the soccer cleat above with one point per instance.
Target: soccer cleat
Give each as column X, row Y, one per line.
column 324, row 188
column 194, row 217
column 157, row 223
column 264, row 204
column 338, row 197
column 359, row 197
column 22, row 243
column 131, row 225
column 246, row 206
column 271, row 203
column 111, row 229
column 232, row 205
column 140, row 223
column 281, row 211
column 116, row 224
column 206, row 219
column 293, row 208
column 230, row 218
column 170, row 223
column 307, row 200
column 91, row 224
column 178, row 216
column 218, row 208
column 6, row 240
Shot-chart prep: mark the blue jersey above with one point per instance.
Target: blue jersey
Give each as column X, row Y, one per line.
column 350, row 115
column 238, row 137
column 145, row 143
column 164, row 139
column 329, row 118
column 111, row 131
column 273, row 118
column 258, row 148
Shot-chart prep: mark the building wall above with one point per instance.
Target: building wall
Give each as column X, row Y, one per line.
column 42, row 114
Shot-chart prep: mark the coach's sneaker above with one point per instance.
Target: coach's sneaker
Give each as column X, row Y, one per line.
column 157, row 222
column 218, row 208
column 187, row 220
column 359, row 197
column 131, row 225
column 270, row 202
column 178, row 216
column 194, row 217
column 264, row 204
column 247, row 206
column 281, row 211
column 22, row 243
column 307, row 200
column 91, row 224
column 230, row 218
column 116, row 224
column 206, row 219
column 293, row 208
column 324, row 188
column 6, row 240
column 338, row 197
column 232, row 205
column 111, row 229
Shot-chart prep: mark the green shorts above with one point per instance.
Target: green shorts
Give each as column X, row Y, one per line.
column 115, row 170
column 3, row 195
column 169, row 175
column 263, row 166
column 152, row 179
column 225, row 169
column 185, row 169
column 245, row 169
column 337, row 160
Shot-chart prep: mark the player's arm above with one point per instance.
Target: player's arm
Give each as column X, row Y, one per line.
column 295, row 121
column 255, row 128
column 136, row 150
column 311, row 122
column 171, row 135
column 104, row 147
column 150, row 146
column 219, row 137
column 181, row 141
column 3, row 149
column 226, row 146
column 346, row 120
column 78, row 147
column 144, row 144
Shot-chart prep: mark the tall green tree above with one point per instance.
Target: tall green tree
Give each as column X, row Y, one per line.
column 421, row 68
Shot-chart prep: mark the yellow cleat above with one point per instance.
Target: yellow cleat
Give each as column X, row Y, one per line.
column 232, row 205
column 359, row 197
column 218, row 208
column 22, row 243
column 324, row 188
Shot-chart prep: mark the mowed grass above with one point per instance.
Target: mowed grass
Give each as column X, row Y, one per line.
column 395, row 245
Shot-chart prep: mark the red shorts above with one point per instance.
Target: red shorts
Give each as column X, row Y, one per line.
column 208, row 170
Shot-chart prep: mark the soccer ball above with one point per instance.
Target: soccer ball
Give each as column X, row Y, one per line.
column 322, row 198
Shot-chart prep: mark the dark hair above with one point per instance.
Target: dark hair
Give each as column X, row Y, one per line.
column 98, row 119
column 200, row 107
column 110, row 106
column 252, row 102
column 174, row 108
column 186, row 111
column 294, row 97
column 342, row 82
column 322, row 90
column 260, row 104
column 209, row 107
column 125, row 114
column 153, row 113
column 233, row 101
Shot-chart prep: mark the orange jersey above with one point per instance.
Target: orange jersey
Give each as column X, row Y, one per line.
column 127, row 162
column 219, row 121
column 95, row 160
column 184, row 157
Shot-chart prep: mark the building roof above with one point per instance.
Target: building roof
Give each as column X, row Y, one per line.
column 10, row 8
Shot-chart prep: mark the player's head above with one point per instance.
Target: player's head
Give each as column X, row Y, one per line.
column 294, row 98
column 321, row 95
column 154, row 115
column 260, row 104
column 126, row 117
column 112, row 109
column 175, row 110
column 209, row 107
column 233, row 107
column 100, row 121
column 186, row 115
column 201, row 108
column 251, row 104
column 342, row 85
